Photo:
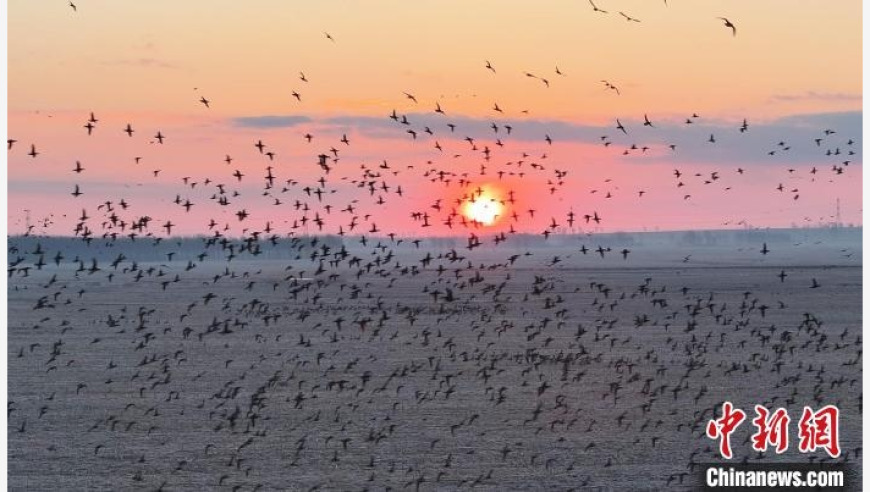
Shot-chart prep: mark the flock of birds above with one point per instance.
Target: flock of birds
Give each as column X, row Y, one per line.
column 364, row 359
column 384, row 181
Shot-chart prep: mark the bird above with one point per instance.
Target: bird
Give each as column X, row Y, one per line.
column 595, row 8
column 728, row 23
column 611, row 86
column 620, row 127
column 628, row 18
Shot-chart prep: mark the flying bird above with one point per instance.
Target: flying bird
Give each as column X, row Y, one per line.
column 728, row 23
column 596, row 9
column 628, row 18
column 620, row 127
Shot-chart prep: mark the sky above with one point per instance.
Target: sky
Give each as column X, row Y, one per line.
column 792, row 72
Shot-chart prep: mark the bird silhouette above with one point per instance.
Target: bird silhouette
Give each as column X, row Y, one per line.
column 730, row 25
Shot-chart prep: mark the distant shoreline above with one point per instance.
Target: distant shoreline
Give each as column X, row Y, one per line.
column 847, row 230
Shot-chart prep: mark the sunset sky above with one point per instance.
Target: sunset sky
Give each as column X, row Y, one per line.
column 792, row 71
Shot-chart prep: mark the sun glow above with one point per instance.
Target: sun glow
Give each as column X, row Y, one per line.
column 483, row 209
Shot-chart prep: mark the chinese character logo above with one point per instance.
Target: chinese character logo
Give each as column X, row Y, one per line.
column 722, row 428
column 772, row 429
column 816, row 430
column 819, row 430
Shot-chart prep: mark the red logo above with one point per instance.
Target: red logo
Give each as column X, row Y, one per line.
column 722, row 428
column 820, row 430
column 772, row 429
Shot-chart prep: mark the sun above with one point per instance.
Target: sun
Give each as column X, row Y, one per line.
column 484, row 209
